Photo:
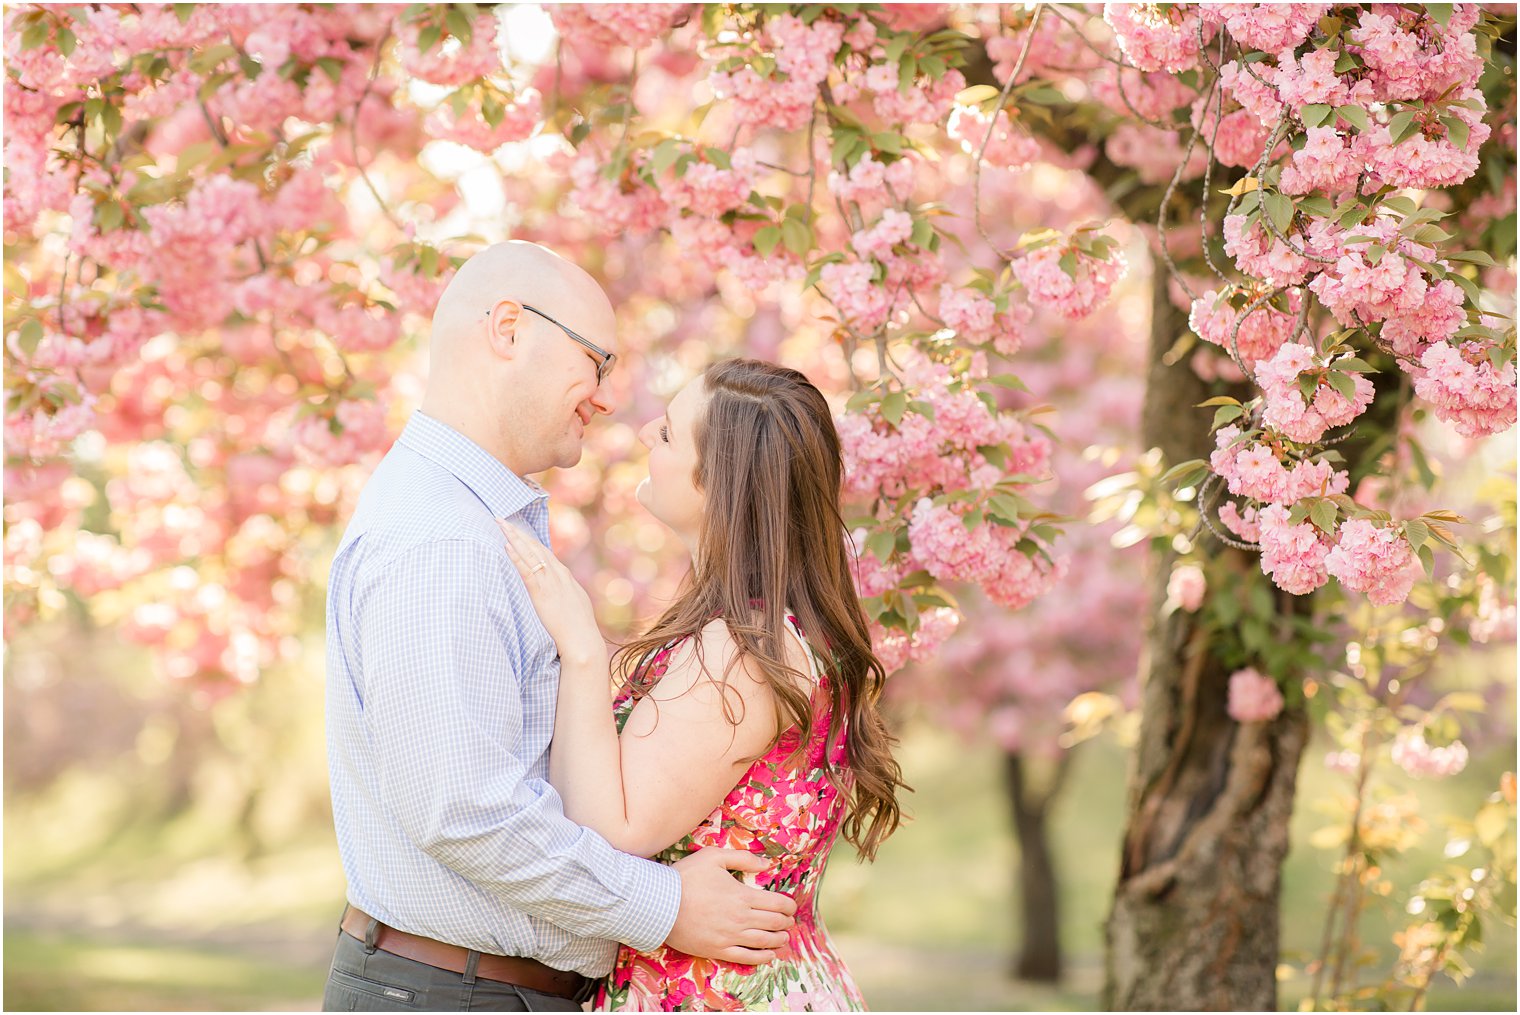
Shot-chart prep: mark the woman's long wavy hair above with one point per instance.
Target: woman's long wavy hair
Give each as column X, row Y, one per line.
column 770, row 469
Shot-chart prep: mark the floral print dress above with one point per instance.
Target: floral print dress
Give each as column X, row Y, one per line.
column 781, row 809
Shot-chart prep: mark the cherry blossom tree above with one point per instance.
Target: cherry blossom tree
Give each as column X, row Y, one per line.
column 226, row 226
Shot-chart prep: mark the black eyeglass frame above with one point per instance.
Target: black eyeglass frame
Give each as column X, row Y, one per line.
column 605, row 359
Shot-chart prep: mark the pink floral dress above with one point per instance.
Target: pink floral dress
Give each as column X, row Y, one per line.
column 789, row 811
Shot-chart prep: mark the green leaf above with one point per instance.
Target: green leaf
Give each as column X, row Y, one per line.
column 1416, row 532
column 1354, row 115
column 1043, row 95
column 664, row 155
column 1421, row 464
column 1440, row 12
column 427, row 261
column 1323, row 514
column 1226, row 413
column 332, row 67
column 893, row 406
column 923, row 232
column 1457, row 132
column 1003, row 507
column 428, row 37
column 1315, row 114
column 1218, row 400
column 766, row 239
column 1342, row 384
column 1192, row 463
column 907, row 72
column 1069, row 263
column 796, row 236
column 1008, row 381
column 1401, row 126
column 1280, row 209
column 30, row 335
column 1430, row 234
column 880, row 544
column 1474, row 257
column 35, row 35
column 109, row 216
column 1353, row 215
column 976, row 95
column 996, row 454
column 712, row 18
column 459, row 25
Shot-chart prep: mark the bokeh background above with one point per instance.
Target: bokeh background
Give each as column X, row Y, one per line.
column 168, row 843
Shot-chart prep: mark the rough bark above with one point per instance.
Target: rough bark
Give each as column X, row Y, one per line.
column 1039, row 958
column 1194, row 922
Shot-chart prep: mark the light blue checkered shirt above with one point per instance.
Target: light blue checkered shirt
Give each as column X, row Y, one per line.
column 441, row 685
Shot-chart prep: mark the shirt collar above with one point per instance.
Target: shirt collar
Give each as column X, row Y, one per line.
column 503, row 492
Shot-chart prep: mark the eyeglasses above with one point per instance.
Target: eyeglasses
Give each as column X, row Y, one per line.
column 604, row 359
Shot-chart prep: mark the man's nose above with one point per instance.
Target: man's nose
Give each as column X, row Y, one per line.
column 603, row 400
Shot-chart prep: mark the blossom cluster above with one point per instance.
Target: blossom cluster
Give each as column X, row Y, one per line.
column 938, row 450
column 1415, row 755
column 1285, row 408
column 1071, row 292
column 1253, row 696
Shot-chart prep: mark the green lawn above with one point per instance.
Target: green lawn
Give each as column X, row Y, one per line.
column 125, row 925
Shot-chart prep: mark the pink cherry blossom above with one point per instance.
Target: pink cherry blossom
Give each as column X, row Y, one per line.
column 1008, row 148
column 1155, row 39
column 1187, row 586
column 1292, row 555
column 1375, row 560
column 1073, row 295
column 606, row 26
column 1253, row 697
column 1466, row 389
column 1415, row 755
column 1268, row 27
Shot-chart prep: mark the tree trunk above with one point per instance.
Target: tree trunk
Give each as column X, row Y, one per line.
column 1039, row 958
column 1194, row 923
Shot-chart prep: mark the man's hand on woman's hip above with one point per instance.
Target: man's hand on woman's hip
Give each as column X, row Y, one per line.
column 721, row 918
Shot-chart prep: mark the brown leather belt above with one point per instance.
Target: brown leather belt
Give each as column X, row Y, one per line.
column 519, row 972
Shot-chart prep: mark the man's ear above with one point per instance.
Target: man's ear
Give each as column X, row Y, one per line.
column 501, row 327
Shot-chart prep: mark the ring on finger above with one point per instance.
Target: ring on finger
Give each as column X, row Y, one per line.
column 540, row 566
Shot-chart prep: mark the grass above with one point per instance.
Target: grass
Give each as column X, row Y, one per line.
column 48, row 971
column 168, row 917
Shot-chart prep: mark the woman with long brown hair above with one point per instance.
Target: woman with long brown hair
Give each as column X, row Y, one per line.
column 746, row 717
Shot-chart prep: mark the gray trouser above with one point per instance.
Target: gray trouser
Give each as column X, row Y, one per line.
column 363, row 980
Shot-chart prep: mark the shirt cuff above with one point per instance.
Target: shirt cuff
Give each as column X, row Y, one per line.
column 658, row 888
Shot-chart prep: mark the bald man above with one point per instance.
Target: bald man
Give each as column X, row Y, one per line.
column 467, row 886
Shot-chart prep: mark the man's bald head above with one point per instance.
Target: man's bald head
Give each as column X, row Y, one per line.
column 508, row 377
column 514, row 270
